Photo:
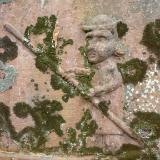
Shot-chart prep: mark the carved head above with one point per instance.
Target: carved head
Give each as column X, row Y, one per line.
column 101, row 35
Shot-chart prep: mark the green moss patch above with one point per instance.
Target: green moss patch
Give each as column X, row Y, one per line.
column 75, row 142
column 84, row 79
column 146, row 125
column 46, row 119
column 10, row 49
column 133, row 71
column 133, row 152
column 69, row 145
column 22, row 109
column 122, row 29
column 5, row 122
column 84, row 50
column 129, row 152
column 151, row 59
column 87, row 125
column 158, row 64
column 84, row 83
column 151, row 37
column 47, row 53
column 36, row 86
column 103, row 107
column 31, row 139
column 57, row 83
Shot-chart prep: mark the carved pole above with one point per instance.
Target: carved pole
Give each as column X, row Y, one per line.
column 111, row 116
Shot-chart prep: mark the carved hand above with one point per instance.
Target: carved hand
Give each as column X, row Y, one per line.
column 70, row 77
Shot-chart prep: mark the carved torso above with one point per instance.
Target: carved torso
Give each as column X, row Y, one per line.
column 108, row 134
column 105, row 75
column 105, row 72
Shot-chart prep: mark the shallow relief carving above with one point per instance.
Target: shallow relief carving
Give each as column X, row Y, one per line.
column 105, row 50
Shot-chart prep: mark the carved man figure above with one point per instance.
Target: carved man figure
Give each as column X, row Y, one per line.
column 104, row 52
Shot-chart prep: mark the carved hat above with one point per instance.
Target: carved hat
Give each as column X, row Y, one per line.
column 101, row 22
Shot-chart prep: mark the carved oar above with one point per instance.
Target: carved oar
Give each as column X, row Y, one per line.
column 111, row 116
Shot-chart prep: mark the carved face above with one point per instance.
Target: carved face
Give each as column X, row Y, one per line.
column 101, row 44
column 101, row 33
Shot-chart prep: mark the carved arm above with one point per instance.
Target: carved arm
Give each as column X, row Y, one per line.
column 78, row 70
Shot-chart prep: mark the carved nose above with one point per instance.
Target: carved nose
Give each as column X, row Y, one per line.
column 91, row 51
column 91, row 47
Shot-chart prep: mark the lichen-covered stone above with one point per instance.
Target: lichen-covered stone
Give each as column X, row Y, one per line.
column 7, row 79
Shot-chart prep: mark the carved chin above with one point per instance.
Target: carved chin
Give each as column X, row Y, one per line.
column 92, row 57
